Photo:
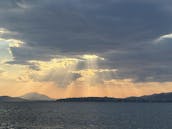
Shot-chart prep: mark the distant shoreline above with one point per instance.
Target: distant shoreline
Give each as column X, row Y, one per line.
column 115, row 100
column 155, row 98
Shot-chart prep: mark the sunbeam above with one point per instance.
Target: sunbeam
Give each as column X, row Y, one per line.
column 69, row 76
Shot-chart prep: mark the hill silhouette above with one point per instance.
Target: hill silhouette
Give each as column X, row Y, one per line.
column 162, row 97
column 11, row 99
column 33, row 96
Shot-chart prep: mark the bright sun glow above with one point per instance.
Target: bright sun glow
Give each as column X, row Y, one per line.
column 91, row 57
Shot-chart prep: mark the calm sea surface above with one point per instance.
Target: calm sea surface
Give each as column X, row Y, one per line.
column 51, row 115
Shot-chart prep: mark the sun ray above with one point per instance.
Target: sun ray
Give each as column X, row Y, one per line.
column 68, row 77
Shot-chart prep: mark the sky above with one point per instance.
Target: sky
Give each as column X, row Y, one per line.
column 76, row 48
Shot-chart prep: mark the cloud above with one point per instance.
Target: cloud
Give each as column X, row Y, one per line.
column 1, row 71
column 62, row 72
column 4, row 31
column 149, row 63
column 167, row 36
column 92, row 77
column 164, row 39
column 121, row 32
column 93, row 25
column 57, row 71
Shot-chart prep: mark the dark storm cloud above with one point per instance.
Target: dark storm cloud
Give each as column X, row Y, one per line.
column 79, row 25
column 129, row 28
column 149, row 63
column 26, row 53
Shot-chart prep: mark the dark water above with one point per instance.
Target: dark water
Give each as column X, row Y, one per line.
column 51, row 115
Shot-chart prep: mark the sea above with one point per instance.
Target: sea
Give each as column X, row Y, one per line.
column 85, row 115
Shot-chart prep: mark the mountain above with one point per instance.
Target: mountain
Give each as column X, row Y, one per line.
column 33, row 96
column 162, row 97
column 11, row 99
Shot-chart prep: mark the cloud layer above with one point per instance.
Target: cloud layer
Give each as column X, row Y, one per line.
column 132, row 36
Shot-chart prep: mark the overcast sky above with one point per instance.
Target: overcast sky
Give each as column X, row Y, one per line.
column 86, row 42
